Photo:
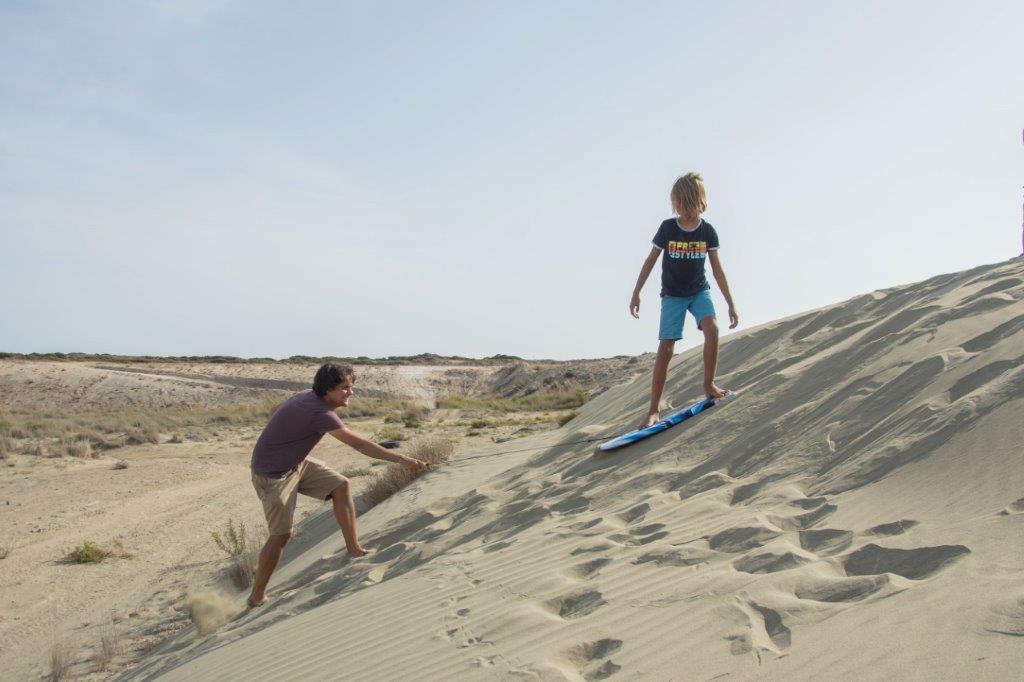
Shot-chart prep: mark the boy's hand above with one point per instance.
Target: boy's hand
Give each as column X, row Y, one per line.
column 734, row 318
column 634, row 306
column 416, row 465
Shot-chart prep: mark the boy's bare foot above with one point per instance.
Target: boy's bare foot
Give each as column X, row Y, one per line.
column 253, row 603
column 356, row 551
column 713, row 391
column 652, row 419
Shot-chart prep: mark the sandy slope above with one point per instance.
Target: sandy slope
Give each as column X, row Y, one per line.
column 857, row 513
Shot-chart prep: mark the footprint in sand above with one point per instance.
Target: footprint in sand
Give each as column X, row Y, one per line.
column 916, row 564
column 592, row 547
column 767, row 633
column 809, row 502
column 826, row 541
column 642, row 535
column 687, row 556
column 573, row 504
column 587, row 658
column 635, row 513
column 804, row 521
column 736, row 540
column 588, row 569
column 456, row 628
column 769, row 562
column 843, row 589
column 575, row 604
column 1007, row 617
column 711, row 481
column 1014, row 508
column 892, row 528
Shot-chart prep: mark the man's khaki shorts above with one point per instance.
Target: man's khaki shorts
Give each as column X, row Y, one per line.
column 278, row 495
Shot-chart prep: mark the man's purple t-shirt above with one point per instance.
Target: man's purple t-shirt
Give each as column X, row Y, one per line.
column 292, row 432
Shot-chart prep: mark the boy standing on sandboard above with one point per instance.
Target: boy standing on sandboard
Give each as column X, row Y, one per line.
column 687, row 240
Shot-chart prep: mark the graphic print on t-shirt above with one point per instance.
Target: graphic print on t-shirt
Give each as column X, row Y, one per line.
column 687, row 249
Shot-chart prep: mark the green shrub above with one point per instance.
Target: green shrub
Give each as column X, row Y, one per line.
column 242, row 550
column 91, row 553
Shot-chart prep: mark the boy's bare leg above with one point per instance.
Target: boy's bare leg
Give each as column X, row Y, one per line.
column 665, row 350
column 710, row 328
column 345, row 513
column 269, row 556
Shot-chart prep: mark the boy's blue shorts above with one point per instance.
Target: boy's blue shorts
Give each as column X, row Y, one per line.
column 673, row 312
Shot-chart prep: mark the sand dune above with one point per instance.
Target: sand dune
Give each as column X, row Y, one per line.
column 855, row 513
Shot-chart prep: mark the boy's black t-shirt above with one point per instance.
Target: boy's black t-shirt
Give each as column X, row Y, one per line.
column 682, row 263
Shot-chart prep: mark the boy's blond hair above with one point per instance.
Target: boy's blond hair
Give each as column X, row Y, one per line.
column 688, row 194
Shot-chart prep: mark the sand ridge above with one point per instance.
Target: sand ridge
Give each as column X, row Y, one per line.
column 856, row 509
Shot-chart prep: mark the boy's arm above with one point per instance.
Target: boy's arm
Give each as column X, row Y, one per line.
column 645, row 272
column 723, row 284
column 375, row 451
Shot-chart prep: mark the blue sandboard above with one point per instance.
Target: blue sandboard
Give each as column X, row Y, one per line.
column 666, row 423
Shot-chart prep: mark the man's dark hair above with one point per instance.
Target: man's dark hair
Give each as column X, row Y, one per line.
column 330, row 375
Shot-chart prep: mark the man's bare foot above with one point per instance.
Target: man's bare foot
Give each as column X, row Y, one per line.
column 713, row 391
column 652, row 419
column 356, row 551
column 253, row 603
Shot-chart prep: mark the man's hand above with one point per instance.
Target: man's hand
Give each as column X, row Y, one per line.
column 734, row 318
column 634, row 306
column 416, row 465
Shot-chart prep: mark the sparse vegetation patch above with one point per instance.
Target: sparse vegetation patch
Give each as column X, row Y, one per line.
column 433, row 451
column 534, row 402
column 243, row 549
column 90, row 553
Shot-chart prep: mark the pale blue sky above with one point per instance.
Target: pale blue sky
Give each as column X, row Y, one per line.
column 474, row 178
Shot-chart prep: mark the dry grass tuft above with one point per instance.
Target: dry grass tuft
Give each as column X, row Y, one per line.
column 81, row 449
column 90, row 553
column 242, row 550
column 111, row 645
column 121, row 464
column 433, row 451
column 566, row 418
column 60, row 660
column 142, row 434
column 5, row 550
column 386, row 433
column 356, row 472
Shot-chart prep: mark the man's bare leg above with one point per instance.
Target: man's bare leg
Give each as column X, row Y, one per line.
column 710, row 328
column 269, row 556
column 665, row 350
column 345, row 513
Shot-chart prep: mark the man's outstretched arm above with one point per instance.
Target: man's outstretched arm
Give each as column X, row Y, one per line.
column 371, row 449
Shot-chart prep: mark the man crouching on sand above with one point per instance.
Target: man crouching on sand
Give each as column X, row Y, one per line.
column 281, row 468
